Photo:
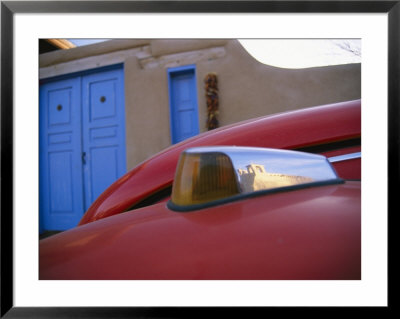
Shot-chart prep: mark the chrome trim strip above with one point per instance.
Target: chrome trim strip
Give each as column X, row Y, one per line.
column 345, row 157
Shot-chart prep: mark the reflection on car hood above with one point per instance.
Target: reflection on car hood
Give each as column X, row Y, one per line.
column 311, row 233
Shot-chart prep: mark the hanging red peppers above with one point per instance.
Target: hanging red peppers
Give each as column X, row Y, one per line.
column 212, row 100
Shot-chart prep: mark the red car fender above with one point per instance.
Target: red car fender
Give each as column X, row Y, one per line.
column 293, row 130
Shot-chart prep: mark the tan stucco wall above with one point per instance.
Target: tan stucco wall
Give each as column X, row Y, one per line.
column 147, row 111
column 251, row 89
column 247, row 88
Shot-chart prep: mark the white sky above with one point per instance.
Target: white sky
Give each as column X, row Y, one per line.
column 304, row 53
column 292, row 53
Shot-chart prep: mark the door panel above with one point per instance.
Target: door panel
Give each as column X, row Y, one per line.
column 103, row 131
column 102, row 97
column 183, row 104
column 60, row 180
column 103, row 157
column 61, row 186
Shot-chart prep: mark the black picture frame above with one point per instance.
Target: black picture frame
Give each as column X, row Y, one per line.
column 9, row 8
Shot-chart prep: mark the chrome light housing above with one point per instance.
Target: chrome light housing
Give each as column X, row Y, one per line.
column 210, row 175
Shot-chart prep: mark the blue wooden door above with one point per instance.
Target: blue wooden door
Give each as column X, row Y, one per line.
column 183, row 103
column 82, row 144
column 103, row 131
column 60, row 186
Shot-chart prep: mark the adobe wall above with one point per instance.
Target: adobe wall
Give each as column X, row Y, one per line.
column 247, row 88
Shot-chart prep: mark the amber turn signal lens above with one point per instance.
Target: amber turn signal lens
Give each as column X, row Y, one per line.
column 202, row 178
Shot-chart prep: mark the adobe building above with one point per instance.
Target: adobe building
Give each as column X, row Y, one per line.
column 106, row 107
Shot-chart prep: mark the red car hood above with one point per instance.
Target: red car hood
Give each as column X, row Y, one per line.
column 312, row 233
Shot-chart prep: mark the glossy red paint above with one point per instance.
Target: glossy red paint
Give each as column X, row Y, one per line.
column 350, row 169
column 312, row 233
column 292, row 130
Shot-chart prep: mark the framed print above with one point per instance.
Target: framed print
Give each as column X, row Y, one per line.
column 24, row 78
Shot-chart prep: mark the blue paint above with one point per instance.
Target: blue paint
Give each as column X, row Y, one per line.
column 104, row 127
column 184, row 117
column 82, row 143
column 60, row 183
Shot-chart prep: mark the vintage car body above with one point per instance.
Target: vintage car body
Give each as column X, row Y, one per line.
column 314, row 232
